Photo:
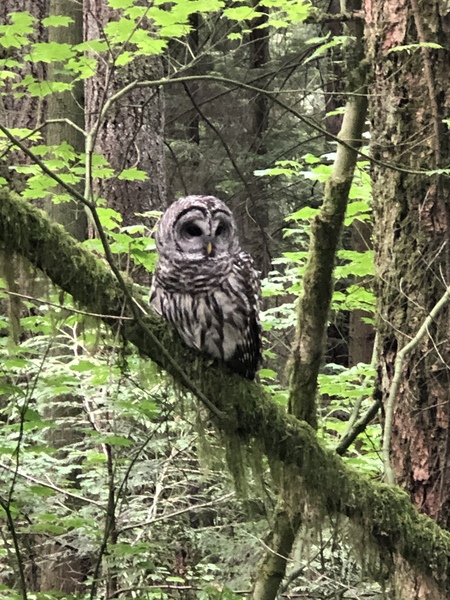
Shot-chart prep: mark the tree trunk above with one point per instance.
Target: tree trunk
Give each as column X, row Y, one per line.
column 65, row 569
column 251, row 205
column 27, row 110
column 361, row 333
column 67, row 105
column 313, row 311
column 408, row 102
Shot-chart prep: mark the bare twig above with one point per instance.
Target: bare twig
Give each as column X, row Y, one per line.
column 9, row 519
column 181, row 511
column 66, row 308
column 50, row 485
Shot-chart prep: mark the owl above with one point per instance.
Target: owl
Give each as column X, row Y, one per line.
column 205, row 285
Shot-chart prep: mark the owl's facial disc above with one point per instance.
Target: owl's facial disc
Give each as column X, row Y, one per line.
column 204, row 235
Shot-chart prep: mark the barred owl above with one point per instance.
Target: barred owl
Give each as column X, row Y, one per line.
column 205, row 285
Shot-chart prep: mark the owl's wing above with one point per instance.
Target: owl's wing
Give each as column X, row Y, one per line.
column 247, row 357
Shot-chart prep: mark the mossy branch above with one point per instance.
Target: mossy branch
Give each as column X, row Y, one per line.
column 384, row 512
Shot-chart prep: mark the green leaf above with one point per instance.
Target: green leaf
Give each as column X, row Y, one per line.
column 414, row 47
column 7, row 75
column 109, row 218
column 304, row 214
column 174, row 31
column 337, row 40
column 10, row 39
column 48, row 528
column 32, row 415
column 319, row 173
column 57, row 21
column 82, row 66
column 22, row 21
column 116, row 440
column 120, row 31
column 267, row 374
column 149, row 46
column 148, row 408
column 95, row 458
column 8, row 389
column 48, row 52
column 41, row 490
column 82, row 366
column 123, row 4
column 146, row 259
column 133, row 174
column 241, row 13
column 92, row 46
column 125, row 58
column 273, row 172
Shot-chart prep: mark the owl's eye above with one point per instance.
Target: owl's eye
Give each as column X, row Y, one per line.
column 193, row 230
column 221, row 229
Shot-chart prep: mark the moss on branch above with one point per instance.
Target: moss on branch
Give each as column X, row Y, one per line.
column 243, row 408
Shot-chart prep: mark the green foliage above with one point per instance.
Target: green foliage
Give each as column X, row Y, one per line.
column 83, row 418
column 343, row 390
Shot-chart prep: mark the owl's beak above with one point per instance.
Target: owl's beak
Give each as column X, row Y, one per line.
column 209, row 248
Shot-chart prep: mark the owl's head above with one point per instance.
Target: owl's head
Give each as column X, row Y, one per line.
column 197, row 227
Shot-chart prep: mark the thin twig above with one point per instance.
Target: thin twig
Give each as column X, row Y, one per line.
column 360, row 425
column 176, row 513
column 398, row 368
column 50, row 485
column 9, row 518
column 68, row 309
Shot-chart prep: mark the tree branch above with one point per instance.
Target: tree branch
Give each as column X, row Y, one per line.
column 383, row 512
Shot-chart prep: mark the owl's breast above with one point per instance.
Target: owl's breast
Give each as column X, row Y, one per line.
column 194, row 276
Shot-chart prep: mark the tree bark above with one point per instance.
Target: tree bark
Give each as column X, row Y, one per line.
column 65, row 569
column 25, row 110
column 361, row 333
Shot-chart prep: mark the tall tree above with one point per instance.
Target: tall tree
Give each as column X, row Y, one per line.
column 408, row 110
column 64, row 568
column 65, row 111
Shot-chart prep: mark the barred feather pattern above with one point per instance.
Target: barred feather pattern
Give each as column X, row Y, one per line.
column 212, row 298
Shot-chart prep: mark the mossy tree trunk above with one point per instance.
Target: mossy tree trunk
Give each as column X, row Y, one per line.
column 409, row 100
